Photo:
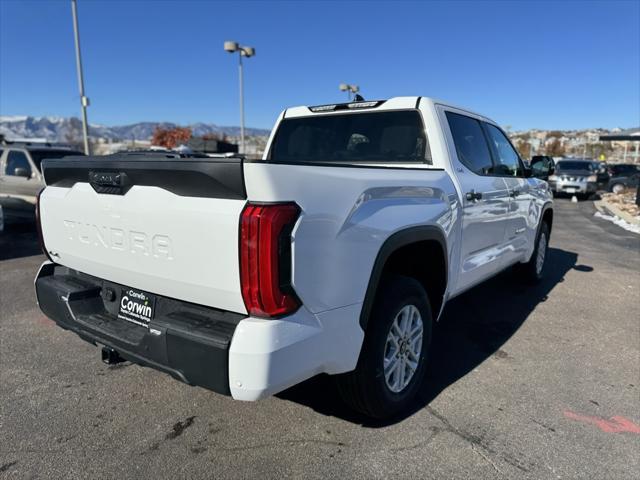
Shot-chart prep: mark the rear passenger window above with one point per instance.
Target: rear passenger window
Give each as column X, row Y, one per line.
column 471, row 144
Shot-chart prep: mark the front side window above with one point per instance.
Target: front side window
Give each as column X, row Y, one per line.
column 507, row 160
column 391, row 136
column 15, row 160
column 471, row 144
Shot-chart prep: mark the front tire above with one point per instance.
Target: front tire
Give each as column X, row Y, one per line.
column 392, row 362
column 533, row 270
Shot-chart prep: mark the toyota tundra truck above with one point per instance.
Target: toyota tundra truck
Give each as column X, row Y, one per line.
column 335, row 253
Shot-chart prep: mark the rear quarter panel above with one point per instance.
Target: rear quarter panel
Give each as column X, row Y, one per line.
column 347, row 214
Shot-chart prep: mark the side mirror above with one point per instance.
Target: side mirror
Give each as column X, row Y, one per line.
column 542, row 168
column 22, row 172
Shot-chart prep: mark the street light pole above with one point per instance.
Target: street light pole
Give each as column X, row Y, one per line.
column 350, row 89
column 233, row 47
column 84, row 101
column 241, row 102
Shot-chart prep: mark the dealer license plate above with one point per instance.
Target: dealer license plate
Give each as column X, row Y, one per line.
column 136, row 306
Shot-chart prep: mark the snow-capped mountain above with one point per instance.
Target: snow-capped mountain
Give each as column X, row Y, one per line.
column 61, row 129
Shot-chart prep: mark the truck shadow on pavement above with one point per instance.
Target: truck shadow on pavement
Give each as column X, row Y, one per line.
column 470, row 331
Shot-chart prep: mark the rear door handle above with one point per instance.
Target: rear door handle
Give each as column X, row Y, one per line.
column 514, row 193
column 473, row 196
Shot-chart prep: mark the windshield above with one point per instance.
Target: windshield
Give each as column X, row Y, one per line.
column 392, row 136
column 38, row 155
column 569, row 165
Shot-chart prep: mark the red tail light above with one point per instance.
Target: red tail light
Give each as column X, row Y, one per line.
column 39, row 226
column 265, row 259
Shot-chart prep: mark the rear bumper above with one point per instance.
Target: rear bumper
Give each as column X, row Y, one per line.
column 247, row 358
column 189, row 342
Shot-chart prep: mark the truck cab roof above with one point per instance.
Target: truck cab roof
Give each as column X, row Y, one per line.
column 394, row 103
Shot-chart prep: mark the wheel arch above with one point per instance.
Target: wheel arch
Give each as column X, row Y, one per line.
column 547, row 216
column 396, row 248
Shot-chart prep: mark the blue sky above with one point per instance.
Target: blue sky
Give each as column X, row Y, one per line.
column 525, row 64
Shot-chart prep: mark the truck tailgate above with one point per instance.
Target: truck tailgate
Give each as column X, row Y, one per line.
column 165, row 226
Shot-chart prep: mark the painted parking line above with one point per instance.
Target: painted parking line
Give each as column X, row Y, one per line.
column 616, row 424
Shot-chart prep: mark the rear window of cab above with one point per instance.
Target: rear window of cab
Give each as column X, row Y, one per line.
column 363, row 137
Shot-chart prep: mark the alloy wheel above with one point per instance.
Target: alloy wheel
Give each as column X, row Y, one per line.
column 402, row 349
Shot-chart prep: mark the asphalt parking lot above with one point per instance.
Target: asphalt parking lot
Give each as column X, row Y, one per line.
column 526, row 382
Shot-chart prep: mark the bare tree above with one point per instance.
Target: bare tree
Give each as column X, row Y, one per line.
column 524, row 148
column 555, row 148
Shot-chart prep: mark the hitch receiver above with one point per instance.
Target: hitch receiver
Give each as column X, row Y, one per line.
column 110, row 356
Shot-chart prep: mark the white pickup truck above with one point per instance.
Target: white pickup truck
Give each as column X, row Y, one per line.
column 333, row 254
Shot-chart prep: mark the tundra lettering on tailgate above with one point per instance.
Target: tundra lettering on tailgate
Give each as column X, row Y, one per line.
column 118, row 239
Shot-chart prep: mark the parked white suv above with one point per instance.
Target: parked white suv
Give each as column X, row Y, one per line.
column 334, row 253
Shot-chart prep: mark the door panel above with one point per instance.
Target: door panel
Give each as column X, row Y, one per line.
column 521, row 223
column 484, row 224
column 508, row 164
column 485, row 200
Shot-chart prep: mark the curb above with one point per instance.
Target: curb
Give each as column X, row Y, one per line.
column 610, row 209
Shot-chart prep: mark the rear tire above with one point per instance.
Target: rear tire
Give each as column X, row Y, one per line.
column 533, row 270
column 392, row 362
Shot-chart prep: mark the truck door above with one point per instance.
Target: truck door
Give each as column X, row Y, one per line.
column 20, row 184
column 522, row 222
column 485, row 200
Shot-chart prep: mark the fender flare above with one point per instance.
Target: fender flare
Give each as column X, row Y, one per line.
column 394, row 242
column 547, row 206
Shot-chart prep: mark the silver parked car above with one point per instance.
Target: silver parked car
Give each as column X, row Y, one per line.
column 574, row 177
column 20, row 175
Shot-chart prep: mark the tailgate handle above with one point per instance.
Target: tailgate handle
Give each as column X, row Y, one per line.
column 112, row 183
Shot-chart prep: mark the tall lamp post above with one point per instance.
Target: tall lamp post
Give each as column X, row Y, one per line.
column 233, row 47
column 350, row 89
column 84, row 101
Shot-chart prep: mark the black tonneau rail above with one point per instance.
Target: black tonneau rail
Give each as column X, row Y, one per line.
column 209, row 177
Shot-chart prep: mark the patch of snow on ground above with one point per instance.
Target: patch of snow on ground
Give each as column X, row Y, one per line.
column 620, row 222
